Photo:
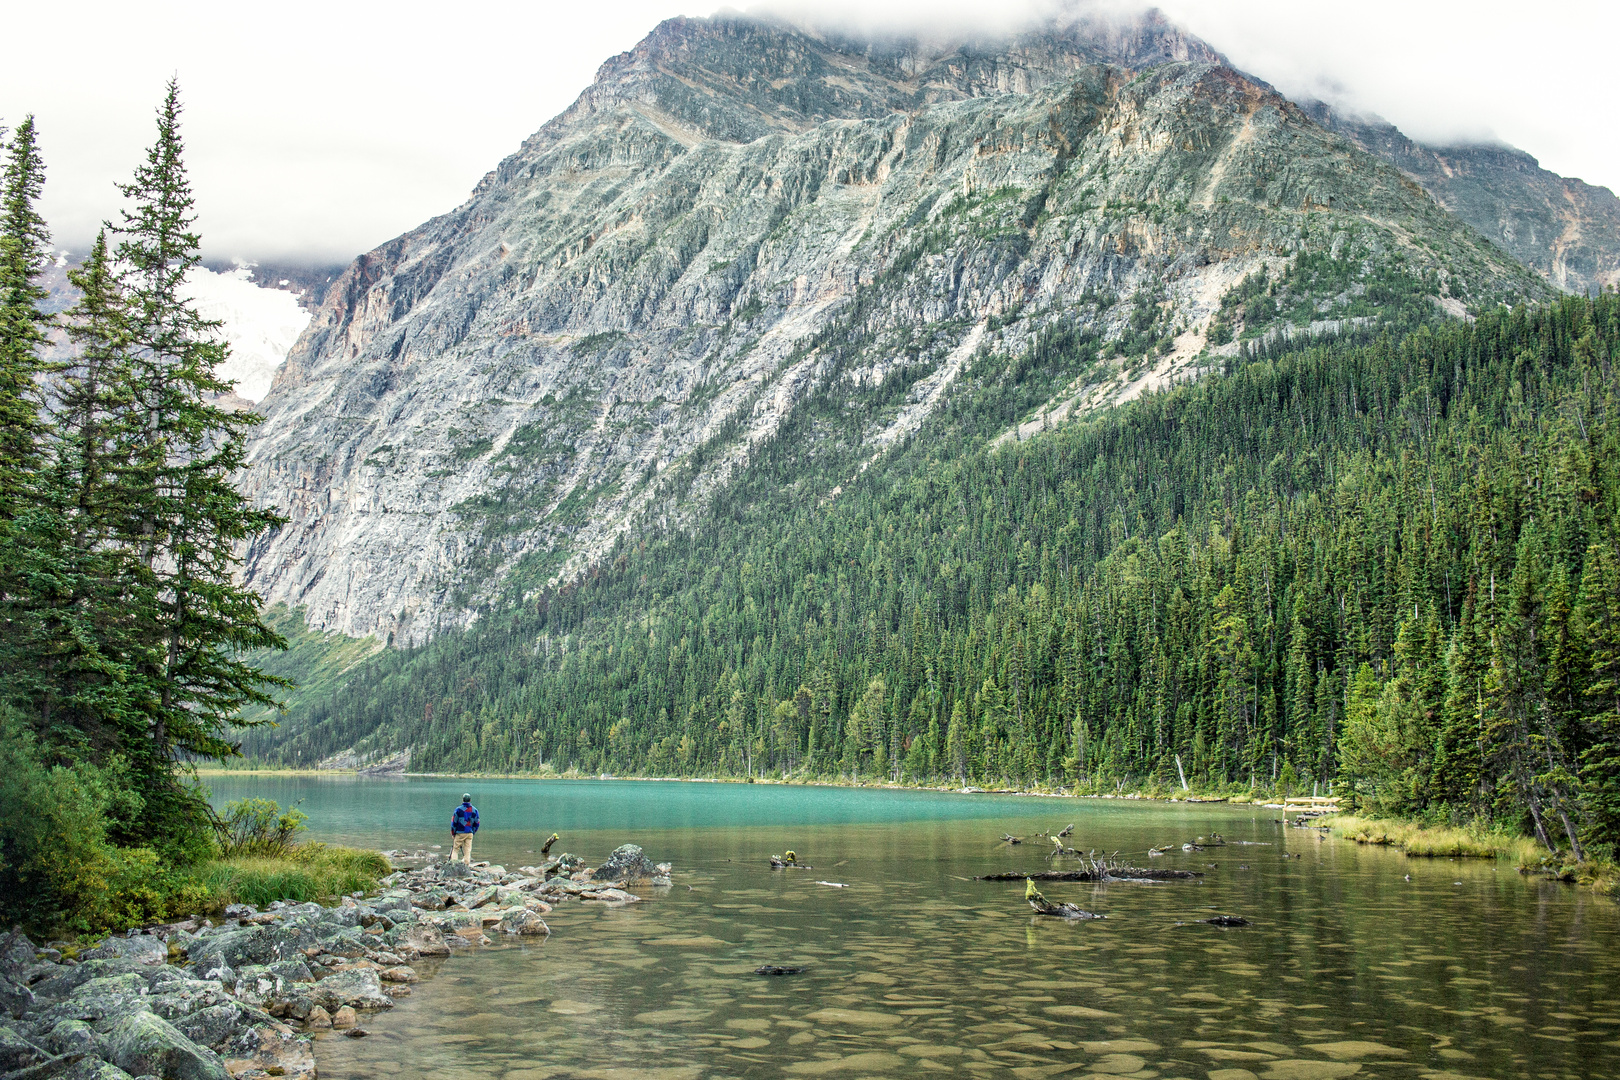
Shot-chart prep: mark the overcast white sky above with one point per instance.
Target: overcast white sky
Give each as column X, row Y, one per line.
column 317, row 129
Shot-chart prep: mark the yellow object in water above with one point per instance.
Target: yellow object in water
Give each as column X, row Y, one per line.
column 789, row 857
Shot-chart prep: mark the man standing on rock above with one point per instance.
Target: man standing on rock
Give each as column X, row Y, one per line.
column 463, row 823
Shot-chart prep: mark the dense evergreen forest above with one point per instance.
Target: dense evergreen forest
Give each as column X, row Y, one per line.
column 1388, row 566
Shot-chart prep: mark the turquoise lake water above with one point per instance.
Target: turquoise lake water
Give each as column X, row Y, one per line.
column 1348, row 969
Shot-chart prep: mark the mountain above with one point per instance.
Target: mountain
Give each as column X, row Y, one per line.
column 1566, row 230
column 741, row 220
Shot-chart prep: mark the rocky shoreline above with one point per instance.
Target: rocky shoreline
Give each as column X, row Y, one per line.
column 242, row 997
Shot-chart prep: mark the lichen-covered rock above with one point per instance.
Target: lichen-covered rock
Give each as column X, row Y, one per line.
column 422, row 940
column 86, row 1068
column 361, row 989
column 215, row 1026
column 16, row 952
column 272, row 1050
column 526, row 922
column 15, row 998
column 17, row 1052
column 142, row 949
column 72, row 1036
column 144, row 1043
column 233, row 948
column 259, row 984
column 480, row 897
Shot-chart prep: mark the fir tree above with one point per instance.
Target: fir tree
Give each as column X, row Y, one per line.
column 180, row 512
column 24, row 255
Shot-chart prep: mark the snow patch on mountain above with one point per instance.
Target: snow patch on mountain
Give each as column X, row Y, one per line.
column 260, row 324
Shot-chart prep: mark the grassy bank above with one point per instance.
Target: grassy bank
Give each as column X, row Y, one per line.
column 1446, row 841
column 1436, row 841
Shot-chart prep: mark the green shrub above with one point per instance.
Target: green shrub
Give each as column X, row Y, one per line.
column 258, row 827
column 55, row 862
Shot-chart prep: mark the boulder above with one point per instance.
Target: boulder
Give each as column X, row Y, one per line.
column 259, row 983
column 142, row 949
column 480, row 898
column 627, row 863
column 233, row 948
column 86, row 1068
column 345, row 1018
column 61, row 980
column 15, row 998
column 72, row 1036
column 431, row 899
column 524, row 921
column 271, row 1050
column 610, row 896
column 295, row 938
column 217, row 970
column 17, row 1052
column 455, row 870
column 423, row 941
column 348, row 944
column 16, row 952
column 360, row 988
column 215, row 1026
column 318, row 1019
column 145, row 1044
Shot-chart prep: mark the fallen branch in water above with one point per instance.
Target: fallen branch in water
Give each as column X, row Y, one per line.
column 1123, row 873
column 1043, row 906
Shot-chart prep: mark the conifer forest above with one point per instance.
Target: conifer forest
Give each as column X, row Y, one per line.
column 1383, row 565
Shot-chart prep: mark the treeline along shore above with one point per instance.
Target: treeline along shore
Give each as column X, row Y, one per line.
column 1387, row 566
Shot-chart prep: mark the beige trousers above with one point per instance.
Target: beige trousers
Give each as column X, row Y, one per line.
column 461, row 850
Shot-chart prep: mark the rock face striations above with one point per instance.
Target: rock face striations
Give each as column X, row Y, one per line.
column 642, row 292
column 1565, row 229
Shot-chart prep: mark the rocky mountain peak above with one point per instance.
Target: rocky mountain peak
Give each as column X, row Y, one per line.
column 739, row 219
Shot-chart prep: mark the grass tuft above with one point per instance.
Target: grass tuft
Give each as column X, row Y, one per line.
column 306, row 872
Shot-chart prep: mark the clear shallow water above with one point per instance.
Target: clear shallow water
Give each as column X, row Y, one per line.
column 1348, row 968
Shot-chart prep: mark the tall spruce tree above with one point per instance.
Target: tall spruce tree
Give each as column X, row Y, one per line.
column 24, row 255
column 177, row 508
column 27, row 577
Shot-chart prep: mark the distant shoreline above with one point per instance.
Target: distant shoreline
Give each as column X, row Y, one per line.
column 1241, row 799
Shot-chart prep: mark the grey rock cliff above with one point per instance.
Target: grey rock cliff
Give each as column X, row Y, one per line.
column 1565, row 229
column 644, row 290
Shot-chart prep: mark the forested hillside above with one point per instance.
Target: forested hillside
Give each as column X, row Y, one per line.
column 1389, row 562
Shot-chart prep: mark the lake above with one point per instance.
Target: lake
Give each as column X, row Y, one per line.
column 1348, row 968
